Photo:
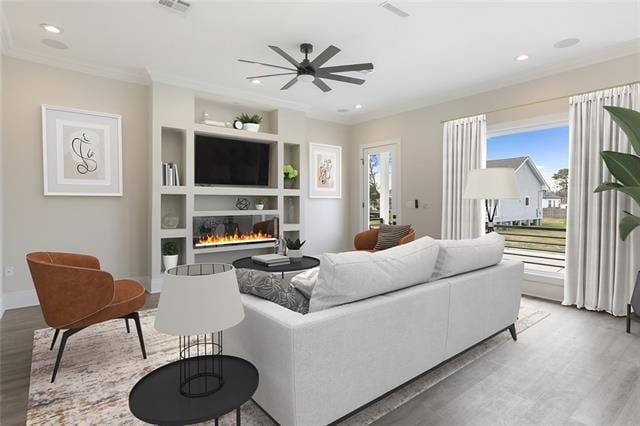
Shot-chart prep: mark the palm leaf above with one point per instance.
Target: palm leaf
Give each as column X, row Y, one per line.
column 628, row 224
column 629, row 122
column 632, row 191
column 625, row 167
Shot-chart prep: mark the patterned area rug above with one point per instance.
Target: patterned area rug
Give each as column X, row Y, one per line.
column 101, row 365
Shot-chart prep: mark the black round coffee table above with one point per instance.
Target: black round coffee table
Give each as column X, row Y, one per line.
column 156, row 398
column 307, row 262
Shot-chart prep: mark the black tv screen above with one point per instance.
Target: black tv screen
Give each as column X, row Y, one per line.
column 230, row 162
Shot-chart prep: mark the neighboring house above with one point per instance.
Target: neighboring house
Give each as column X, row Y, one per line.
column 550, row 200
column 528, row 209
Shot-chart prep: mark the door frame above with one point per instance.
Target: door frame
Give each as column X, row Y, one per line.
column 397, row 166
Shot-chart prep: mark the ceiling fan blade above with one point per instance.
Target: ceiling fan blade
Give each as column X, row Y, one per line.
column 270, row 75
column 266, row 65
column 285, row 55
column 321, row 85
column 291, row 82
column 344, row 68
column 327, row 54
column 341, row 78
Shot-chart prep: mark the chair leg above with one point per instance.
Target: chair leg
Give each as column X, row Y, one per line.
column 136, row 318
column 55, row 337
column 126, row 321
column 63, row 343
column 628, row 317
column 512, row 330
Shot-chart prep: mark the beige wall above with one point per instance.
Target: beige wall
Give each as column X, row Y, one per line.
column 112, row 228
column 420, row 132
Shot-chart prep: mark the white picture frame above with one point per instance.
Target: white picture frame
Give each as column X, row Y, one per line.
column 81, row 152
column 325, row 171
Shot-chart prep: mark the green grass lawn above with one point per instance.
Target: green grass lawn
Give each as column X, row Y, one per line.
column 537, row 239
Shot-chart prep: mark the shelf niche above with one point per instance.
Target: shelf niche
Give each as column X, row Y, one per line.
column 182, row 250
column 173, row 205
column 173, row 150
column 291, row 210
column 291, row 155
column 227, row 113
column 207, row 203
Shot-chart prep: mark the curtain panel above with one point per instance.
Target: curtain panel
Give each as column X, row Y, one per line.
column 601, row 268
column 464, row 149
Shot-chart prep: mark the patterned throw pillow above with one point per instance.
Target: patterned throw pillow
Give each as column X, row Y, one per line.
column 269, row 287
column 390, row 235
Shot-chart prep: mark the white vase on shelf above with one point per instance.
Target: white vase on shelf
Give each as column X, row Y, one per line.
column 251, row 127
column 170, row 261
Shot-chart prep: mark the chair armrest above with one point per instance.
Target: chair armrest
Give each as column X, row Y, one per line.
column 366, row 240
column 73, row 259
column 409, row 237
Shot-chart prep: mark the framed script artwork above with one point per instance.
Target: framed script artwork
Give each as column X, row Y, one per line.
column 82, row 152
column 325, row 165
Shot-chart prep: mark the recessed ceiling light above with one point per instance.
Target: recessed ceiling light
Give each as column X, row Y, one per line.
column 55, row 44
column 357, row 106
column 567, row 42
column 255, row 81
column 51, row 28
column 521, row 57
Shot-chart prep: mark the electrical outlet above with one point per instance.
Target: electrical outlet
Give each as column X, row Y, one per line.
column 9, row 271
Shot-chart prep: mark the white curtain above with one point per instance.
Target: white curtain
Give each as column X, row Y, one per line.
column 601, row 268
column 464, row 149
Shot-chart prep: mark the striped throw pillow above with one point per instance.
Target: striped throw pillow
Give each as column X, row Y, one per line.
column 390, row 235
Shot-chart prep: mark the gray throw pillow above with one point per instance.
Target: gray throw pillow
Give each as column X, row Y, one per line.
column 267, row 286
column 390, row 235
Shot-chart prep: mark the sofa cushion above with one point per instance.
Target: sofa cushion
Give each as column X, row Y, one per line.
column 390, row 235
column 267, row 286
column 460, row 256
column 347, row 277
column 305, row 281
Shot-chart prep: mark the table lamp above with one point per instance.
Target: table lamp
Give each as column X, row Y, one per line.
column 197, row 302
column 491, row 185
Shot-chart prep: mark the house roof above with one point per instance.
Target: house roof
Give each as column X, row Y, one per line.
column 550, row 195
column 516, row 163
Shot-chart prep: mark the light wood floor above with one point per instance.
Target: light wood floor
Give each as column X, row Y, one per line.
column 574, row 367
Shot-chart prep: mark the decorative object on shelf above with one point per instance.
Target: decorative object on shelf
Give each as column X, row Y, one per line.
column 206, row 120
column 294, row 249
column 325, row 163
column 238, row 125
column 170, row 175
column 290, row 175
column 260, row 202
column 82, row 152
column 625, row 167
column 170, row 221
column 491, row 185
column 250, row 123
column 198, row 302
column 169, row 255
column 242, row 203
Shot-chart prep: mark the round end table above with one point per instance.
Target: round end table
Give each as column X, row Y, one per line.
column 307, row 262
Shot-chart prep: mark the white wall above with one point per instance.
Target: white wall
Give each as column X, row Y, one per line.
column 529, row 186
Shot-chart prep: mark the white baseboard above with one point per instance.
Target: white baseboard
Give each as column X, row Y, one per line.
column 19, row 299
column 543, row 286
column 156, row 285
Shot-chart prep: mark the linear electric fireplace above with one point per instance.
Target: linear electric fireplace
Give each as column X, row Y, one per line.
column 223, row 231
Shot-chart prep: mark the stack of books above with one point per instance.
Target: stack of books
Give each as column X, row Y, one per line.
column 170, row 175
column 271, row 260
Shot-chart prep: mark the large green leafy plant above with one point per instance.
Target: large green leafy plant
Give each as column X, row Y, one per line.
column 625, row 167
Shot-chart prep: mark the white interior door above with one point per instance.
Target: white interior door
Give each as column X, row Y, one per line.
column 381, row 185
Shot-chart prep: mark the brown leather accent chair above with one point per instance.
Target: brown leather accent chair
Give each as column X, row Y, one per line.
column 74, row 294
column 366, row 240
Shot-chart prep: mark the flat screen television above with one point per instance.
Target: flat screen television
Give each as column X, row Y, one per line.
column 230, row 162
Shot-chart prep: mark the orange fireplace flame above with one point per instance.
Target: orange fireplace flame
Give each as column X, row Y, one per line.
column 235, row 238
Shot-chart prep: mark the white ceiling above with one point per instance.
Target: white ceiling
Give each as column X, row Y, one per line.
column 442, row 51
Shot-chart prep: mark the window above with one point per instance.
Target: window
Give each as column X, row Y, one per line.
column 534, row 227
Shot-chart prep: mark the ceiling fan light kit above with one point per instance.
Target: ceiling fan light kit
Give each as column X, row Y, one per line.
column 307, row 71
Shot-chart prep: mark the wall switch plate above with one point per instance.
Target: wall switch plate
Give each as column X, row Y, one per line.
column 9, row 271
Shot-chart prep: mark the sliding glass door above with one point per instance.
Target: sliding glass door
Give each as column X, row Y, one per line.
column 380, row 185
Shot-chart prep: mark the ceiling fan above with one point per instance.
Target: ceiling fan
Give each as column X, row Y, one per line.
column 312, row 71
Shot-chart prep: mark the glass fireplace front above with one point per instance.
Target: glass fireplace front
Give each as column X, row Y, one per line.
column 221, row 231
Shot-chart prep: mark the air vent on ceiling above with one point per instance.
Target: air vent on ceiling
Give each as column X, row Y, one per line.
column 179, row 6
column 393, row 9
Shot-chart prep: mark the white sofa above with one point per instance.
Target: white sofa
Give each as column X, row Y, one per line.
column 319, row 367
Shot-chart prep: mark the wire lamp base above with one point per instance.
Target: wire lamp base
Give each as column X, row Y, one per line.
column 201, row 366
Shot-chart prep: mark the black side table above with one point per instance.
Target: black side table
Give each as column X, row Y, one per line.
column 156, row 398
column 307, row 262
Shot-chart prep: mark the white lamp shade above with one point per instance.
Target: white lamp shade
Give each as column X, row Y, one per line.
column 199, row 304
column 491, row 184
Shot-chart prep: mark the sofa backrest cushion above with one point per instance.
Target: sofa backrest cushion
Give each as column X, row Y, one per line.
column 356, row 275
column 459, row 256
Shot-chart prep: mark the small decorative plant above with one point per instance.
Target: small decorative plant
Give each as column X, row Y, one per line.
column 260, row 202
column 294, row 244
column 169, row 249
column 246, row 118
column 290, row 175
column 625, row 167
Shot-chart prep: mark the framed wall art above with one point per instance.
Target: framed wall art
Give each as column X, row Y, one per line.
column 82, row 152
column 325, row 165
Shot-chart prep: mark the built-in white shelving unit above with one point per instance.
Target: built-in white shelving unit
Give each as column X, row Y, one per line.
column 175, row 121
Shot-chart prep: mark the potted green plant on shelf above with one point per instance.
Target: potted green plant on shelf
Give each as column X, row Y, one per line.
column 290, row 175
column 250, row 123
column 294, row 249
column 260, row 202
column 169, row 255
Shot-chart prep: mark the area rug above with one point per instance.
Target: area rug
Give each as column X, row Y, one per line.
column 101, row 365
